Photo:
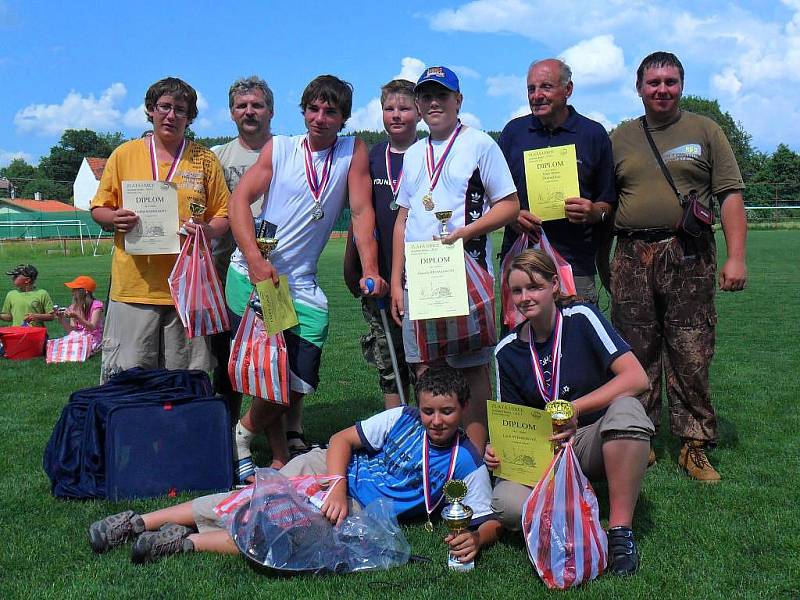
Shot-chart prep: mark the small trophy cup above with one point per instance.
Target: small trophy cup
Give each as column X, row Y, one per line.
column 561, row 412
column 197, row 209
column 443, row 216
column 457, row 517
column 265, row 238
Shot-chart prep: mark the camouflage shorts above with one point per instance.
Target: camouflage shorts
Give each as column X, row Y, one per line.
column 375, row 347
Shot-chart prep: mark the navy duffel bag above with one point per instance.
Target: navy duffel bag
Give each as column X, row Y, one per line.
column 144, row 433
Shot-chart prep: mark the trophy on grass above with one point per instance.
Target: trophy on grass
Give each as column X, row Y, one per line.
column 443, row 216
column 197, row 209
column 457, row 517
column 561, row 413
column 266, row 242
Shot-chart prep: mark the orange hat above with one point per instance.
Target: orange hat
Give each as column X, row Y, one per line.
column 83, row 281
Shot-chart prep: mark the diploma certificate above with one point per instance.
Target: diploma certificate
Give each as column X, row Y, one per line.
column 520, row 439
column 551, row 176
column 437, row 280
column 156, row 204
column 276, row 305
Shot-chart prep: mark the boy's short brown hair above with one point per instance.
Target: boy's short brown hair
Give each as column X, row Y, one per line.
column 178, row 89
column 330, row 89
column 397, row 86
column 443, row 381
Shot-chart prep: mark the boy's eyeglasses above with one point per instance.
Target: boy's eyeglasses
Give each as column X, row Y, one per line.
column 165, row 109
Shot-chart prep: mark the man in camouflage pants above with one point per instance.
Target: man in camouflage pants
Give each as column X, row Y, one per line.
column 663, row 281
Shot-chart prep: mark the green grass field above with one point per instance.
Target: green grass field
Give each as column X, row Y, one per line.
column 737, row 539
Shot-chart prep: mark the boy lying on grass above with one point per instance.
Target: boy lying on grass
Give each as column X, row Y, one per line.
column 381, row 457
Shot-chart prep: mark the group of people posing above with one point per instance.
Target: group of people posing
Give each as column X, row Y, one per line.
column 662, row 288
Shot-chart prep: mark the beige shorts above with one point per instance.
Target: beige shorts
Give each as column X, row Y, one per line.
column 624, row 419
column 150, row 336
column 310, row 463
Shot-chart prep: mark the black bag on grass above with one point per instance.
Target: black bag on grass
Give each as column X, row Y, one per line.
column 75, row 458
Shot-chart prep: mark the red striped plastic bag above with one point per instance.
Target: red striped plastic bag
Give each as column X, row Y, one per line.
column 437, row 338
column 196, row 289
column 561, row 525
column 566, row 280
column 73, row 347
column 511, row 316
column 259, row 363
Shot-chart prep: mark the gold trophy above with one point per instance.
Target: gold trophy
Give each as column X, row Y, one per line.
column 457, row 517
column 197, row 209
column 265, row 238
column 561, row 413
column 443, row 216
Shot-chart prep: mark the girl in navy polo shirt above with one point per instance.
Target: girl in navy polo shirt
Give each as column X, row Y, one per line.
column 568, row 350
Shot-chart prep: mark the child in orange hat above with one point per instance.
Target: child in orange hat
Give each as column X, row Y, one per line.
column 85, row 314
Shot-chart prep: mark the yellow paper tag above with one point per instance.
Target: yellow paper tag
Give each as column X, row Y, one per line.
column 276, row 304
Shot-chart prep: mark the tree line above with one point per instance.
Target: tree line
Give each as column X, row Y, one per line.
column 770, row 178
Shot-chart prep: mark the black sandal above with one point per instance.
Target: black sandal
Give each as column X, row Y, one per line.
column 296, row 450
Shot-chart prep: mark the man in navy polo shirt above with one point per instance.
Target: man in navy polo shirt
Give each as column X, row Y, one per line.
column 554, row 123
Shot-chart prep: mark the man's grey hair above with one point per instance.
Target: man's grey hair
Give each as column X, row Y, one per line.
column 245, row 85
column 564, row 72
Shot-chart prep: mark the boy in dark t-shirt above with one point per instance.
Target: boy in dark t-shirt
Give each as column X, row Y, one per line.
column 400, row 119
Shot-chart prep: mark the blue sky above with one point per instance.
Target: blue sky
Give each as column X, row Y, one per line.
column 88, row 64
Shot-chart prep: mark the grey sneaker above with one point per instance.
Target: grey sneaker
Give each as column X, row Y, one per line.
column 115, row 530
column 170, row 539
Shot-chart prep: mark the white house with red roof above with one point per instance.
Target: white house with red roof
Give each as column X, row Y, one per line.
column 87, row 180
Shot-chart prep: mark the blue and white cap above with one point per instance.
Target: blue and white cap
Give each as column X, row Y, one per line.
column 441, row 75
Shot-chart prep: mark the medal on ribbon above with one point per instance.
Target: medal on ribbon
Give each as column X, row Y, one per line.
column 435, row 167
column 315, row 184
column 548, row 393
column 173, row 167
column 395, row 185
column 426, row 484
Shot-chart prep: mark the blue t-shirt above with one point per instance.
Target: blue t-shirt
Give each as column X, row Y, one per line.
column 390, row 466
column 589, row 344
column 595, row 178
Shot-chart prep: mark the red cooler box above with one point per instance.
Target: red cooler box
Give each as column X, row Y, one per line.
column 21, row 343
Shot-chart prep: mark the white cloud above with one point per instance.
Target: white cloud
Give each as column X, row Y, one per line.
column 410, row 68
column 369, row 117
column 7, row 156
column 540, row 21
column 75, row 112
column 79, row 111
column 465, row 72
column 506, row 85
column 135, row 118
column 524, row 109
column 595, row 61
column 470, row 119
column 726, row 83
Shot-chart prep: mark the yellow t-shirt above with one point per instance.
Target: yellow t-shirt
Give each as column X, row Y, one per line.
column 143, row 279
